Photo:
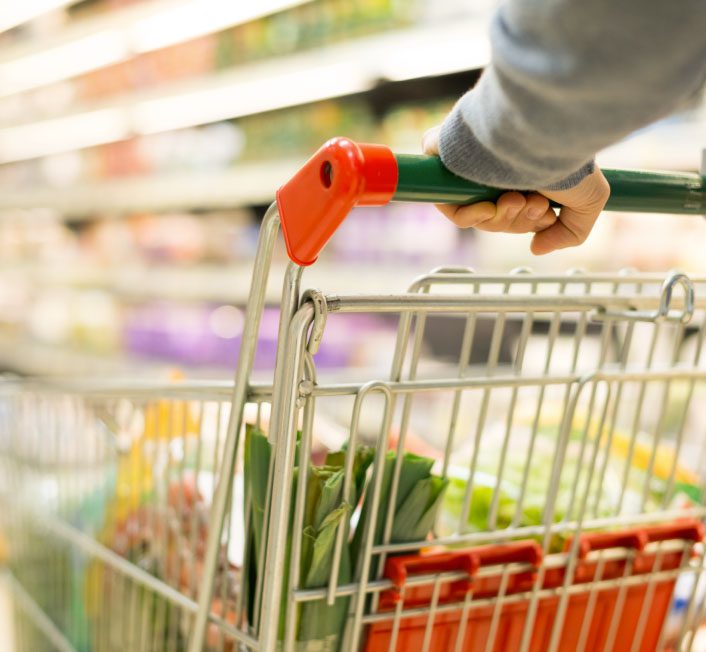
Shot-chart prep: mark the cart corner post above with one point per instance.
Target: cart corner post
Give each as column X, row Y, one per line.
column 255, row 306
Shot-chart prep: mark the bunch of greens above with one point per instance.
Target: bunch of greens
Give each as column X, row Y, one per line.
column 528, row 487
column 326, row 509
column 417, row 501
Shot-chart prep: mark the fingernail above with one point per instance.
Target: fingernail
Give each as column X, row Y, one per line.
column 535, row 213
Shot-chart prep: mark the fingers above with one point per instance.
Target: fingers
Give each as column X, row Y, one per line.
column 466, row 217
column 537, row 206
column 513, row 212
column 536, row 225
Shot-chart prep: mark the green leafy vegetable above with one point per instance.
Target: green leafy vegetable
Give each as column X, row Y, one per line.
column 417, row 502
column 326, row 511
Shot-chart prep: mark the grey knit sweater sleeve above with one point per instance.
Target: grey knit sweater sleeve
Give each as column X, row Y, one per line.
column 568, row 78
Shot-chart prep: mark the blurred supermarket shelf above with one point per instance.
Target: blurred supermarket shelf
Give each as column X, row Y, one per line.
column 218, row 283
column 674, row 143
column 245, row 184
column 669, row 144
column 114, row 36
column 354, row 66
column 29, row 357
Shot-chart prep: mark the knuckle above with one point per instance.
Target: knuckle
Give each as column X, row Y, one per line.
column 501, row 219
column 512, row 199
column 539, row 201
column 601, row 191
column 579, row 237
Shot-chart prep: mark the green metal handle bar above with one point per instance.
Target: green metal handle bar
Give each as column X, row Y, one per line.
column 425, row 179
column 343, row 174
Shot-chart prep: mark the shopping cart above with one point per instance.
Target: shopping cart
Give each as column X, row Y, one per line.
column 556, row 502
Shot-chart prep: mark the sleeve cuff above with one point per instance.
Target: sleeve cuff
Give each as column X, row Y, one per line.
column 573, row 179
column 463, row 154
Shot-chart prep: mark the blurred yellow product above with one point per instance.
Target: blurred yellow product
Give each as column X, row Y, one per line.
column 664, row 456
column 170, row 419
column 664, row 459
column 164, row 420
column 4, row 549
column 134, row 480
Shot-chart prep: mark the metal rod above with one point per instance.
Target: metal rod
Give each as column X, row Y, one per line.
column 256, row 302
column 288, row 306
column 39, row 617
column 491, row 304
column 285, row 405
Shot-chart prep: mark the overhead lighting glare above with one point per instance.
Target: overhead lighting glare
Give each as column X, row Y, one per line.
column 63, row 134
column 68, row 60
column 199, row 17
column 439, row 59
column 299, row 79
column 15, row 13
column 248, row 96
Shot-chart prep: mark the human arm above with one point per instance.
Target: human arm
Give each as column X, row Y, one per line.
column 567, row 78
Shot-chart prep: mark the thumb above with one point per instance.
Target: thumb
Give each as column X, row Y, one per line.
column 571, row 229
column 582, row 204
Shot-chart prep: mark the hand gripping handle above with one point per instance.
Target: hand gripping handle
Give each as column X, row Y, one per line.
column 344, row 174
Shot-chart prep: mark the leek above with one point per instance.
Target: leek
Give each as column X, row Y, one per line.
column 320, row 622
column 419, row 495
column 326, row 509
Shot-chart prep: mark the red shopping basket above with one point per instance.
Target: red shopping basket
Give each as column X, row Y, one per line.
column 508, row 621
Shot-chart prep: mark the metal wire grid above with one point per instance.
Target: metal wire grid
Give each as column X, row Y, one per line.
column 606, row 356
column 106, row 503
column 642, row 376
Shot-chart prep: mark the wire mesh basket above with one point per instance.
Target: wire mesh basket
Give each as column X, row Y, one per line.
column 533, row 479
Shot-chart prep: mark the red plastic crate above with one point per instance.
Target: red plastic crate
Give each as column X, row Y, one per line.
column 512, row 616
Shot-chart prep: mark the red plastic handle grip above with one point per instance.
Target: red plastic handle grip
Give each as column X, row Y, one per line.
column 341, row 175
column 686, row 530
column 398, row 569
column 635, row 539
column 638, row 538
column 519, row 552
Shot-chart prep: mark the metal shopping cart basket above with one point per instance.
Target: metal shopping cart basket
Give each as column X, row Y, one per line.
column 540, row 488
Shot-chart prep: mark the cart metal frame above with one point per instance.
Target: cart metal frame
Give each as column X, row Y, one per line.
column 595, row 385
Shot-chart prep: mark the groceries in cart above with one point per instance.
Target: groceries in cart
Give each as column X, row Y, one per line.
column 513, row 494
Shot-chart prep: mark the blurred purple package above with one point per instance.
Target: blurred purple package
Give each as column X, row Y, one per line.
column 209, row 335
